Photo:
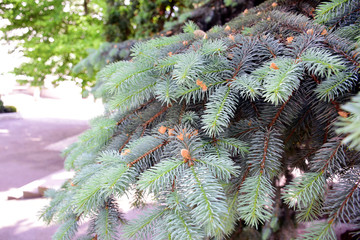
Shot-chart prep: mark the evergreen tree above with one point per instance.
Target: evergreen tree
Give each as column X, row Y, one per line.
column 129, row 22
column 215, row 125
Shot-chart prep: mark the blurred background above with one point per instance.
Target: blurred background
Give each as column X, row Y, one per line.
column 50, row 53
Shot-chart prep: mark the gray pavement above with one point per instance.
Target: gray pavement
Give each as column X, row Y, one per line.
column 24, row 157
column 30, row 148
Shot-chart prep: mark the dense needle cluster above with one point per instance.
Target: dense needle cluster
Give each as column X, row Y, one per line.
column 209, row 124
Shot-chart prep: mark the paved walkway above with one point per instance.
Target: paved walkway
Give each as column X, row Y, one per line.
column 24, row 158
column 23, row 142
column 30, row 149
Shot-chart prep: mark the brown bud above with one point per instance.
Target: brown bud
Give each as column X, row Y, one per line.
column 203, row 87
column 162, row 129
column 343, row 114
column 199, row 33
column 274, row 66
column 289, row 39
column 180, row 137
column 171, row 132
column 125, row 152
column 185, row 153
column 310, row 31
column 232, row 38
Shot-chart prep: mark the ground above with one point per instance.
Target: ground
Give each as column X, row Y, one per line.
column 24, row 157
column 30, row 146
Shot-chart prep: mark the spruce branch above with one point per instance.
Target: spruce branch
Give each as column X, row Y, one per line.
column 135, row 111
column 161, row 176
column 206, row 121
column 247, row 86
column 278, row 113
column 110, row 181
column 188, row 67
column 67, row 230
column 255, row 200
column 206, row 198
column 143, row 226
column 330, row 156
column 310, row 212
column 181, row 226
column 346, row 51
column 336, row 86
column 220, row 109
column 221, row 166
column 343, row 201
column 132, row 96
column 106, row 223
column 351, row 125
column 329, row 10
column 234, row 146
column 322, row 63
column 319, row 231
column 125, row 73
column 304, row 189
column 265, row 153
column 283, row 76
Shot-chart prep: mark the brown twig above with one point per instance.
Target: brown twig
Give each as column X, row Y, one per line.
column 345, row 201
column 156, row 116
column 277, row 115
column 266, row 145
column 147, row 153
column 331, row 156
column 134, row 111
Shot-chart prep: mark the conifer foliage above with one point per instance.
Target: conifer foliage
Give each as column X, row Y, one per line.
column 209, row 123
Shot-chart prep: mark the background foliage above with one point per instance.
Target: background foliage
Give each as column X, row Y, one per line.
column 53, row 35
